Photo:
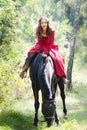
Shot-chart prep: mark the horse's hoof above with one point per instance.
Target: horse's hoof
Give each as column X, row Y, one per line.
column 58, row 123
column 65, row 116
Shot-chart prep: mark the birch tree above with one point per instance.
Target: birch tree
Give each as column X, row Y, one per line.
column 72, row 45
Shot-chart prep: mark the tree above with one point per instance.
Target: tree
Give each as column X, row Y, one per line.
column 7, row 21
column 72, row 45
column 62, row 9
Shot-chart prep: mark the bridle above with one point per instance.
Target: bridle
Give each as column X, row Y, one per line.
column 49, row 101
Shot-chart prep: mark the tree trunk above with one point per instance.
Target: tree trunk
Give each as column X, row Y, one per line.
column 72, row 45
column 62, row 10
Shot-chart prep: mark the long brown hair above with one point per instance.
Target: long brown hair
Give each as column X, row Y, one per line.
column 39, row 29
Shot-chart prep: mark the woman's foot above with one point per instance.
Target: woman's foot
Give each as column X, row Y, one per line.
column 23, row 74
column 65, row 80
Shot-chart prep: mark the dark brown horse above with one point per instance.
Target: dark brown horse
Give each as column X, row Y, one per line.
column 42, row 74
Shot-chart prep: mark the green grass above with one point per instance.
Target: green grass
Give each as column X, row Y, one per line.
column 20, row 114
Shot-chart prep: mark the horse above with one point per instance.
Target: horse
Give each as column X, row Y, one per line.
column 42, row 75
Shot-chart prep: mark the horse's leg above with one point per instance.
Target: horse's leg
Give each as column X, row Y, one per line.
column 57, row 119
column 62, row 93
column 56, row 116
column 36, row 105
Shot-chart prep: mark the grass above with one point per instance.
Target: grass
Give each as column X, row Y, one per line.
column 20, row 114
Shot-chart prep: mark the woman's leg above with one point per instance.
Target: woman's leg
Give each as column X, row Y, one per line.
column 25, row 68
column 27, row 64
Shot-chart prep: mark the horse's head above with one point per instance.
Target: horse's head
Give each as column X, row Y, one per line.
column 48, row 110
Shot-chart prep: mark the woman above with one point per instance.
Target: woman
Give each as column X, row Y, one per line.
column 46, row 44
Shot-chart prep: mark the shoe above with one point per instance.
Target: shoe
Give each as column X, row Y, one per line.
column 23, row 74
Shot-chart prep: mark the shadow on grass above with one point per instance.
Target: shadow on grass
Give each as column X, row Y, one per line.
column 79, row 115
column 16, row 120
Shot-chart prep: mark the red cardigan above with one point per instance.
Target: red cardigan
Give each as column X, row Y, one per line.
column 49, row 46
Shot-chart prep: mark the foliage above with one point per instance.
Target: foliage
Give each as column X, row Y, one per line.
column 81, row 45
column 18, row 20
column 7, row 21
column 11, row 48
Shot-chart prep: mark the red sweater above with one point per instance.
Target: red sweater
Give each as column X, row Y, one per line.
column 49, row 46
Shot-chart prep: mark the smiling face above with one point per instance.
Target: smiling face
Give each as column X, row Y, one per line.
column 44, row 24
column 43, row 28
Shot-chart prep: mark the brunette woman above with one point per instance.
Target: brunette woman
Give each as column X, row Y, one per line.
column 46, row 44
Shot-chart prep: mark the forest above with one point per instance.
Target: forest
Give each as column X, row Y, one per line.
column 18, row 21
